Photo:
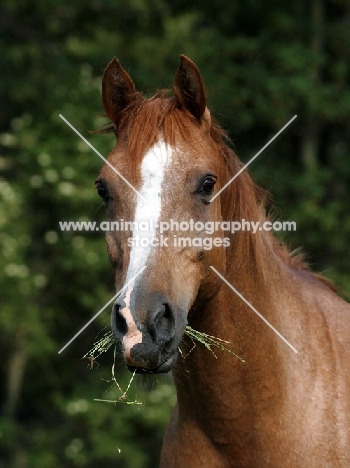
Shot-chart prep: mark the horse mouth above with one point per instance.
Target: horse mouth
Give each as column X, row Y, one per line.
column 163, row 368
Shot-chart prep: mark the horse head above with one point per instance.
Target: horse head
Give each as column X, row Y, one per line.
column 169, row 155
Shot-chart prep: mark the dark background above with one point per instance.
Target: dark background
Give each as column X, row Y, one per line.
column 262, row 62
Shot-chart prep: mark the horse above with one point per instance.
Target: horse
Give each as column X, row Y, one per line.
column 280, row 408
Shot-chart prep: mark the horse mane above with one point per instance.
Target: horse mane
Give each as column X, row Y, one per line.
column 161, row 115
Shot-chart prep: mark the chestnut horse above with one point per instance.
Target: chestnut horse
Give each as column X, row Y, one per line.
column 278, row 409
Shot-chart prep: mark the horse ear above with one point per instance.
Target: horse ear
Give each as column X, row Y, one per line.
column 118, row 91
column 189, row 88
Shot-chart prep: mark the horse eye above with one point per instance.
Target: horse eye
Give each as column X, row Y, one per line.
column 207, row 186
column 101, row 190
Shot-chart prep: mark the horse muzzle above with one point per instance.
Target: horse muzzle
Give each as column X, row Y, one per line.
column 149, row 345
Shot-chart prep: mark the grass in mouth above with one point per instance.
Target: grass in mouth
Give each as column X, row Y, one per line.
column 107, row 341
column 209, row 341
column 123, row 398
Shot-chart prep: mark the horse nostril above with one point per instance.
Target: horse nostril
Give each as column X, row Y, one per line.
column 161, row 326
column 118, row 322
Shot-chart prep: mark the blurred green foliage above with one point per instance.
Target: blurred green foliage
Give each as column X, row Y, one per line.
column 262, row 63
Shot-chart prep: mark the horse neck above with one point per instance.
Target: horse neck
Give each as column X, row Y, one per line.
column 202, row 378
column 256, row 273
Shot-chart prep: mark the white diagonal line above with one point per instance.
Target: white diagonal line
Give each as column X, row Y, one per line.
column 254, row 157
column 104, row 159
column 98, row 313
column 254, row 309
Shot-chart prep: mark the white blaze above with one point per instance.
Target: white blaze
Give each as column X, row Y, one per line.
column 153, row 167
